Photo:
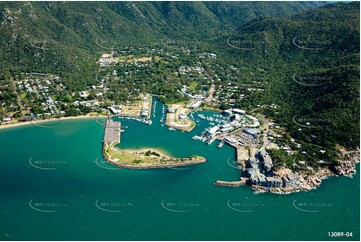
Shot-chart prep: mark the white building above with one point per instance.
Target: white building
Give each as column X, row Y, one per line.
column 239, row 111
column 182, row 116
column 6, row 120
column 115, row 110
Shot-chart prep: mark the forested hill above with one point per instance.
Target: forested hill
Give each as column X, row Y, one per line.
column 312, row 62
column 304, row 54
column 73, row 32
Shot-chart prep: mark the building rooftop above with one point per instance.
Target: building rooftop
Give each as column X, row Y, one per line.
column 261, row 179
column 293, row 176
column 252, row 131
column 273, row 179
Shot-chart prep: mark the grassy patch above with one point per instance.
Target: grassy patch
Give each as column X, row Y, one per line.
column 192, row 86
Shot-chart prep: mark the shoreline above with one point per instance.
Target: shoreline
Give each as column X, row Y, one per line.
column 26, row 123
column 312, row 181
column 172, row 119
column 189, row 160
column 154, row 166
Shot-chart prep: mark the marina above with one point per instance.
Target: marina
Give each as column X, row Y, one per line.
column 80, row 183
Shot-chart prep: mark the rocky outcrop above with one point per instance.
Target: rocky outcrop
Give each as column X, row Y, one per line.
column 345, row 168
column 307, row 182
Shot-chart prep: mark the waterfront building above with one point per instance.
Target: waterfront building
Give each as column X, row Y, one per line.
column 115, row 110
column 182, row 116
column 227, row 113
column 253, row 162
column 239, row 111
column 274, row 182
column 195, row 105
column 144, row 114
column 251, row 173
column 259, row 181
column 266, row 160
column 253, row 132
column 291, row 180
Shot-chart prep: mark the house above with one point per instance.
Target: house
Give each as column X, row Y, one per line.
column 6, row 120
column 83, row 94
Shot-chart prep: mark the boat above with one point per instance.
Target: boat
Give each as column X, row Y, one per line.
column 171, row 129
column 220, row 144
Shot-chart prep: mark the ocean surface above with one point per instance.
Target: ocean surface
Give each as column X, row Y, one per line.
column 54, row 185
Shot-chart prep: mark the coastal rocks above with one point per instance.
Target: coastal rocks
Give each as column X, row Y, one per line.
column 345, row 168
column 230, row 183
column 307, row 182
column 313, row 180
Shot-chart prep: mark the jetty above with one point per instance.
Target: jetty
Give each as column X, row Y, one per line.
column 112, row 132
column 241, row 182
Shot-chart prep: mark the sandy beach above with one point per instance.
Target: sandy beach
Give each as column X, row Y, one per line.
column 143, row 150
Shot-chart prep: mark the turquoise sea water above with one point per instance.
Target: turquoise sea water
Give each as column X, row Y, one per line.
column 54, row 185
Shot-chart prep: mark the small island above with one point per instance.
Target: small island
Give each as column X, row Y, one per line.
column 139, row 158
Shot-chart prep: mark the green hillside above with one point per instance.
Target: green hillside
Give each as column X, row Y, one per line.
column 312, row 65
column 303, row 56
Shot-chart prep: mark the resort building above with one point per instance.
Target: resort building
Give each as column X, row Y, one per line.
column 115, row 110
column 239, row 111
column 227, row 113
column 266, row 160
column 274, row 182
column 195, row 105
column 291, row 180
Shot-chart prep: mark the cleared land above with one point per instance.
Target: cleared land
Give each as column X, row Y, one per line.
column 133, row 109
column 132, row 59
column 174, row 121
